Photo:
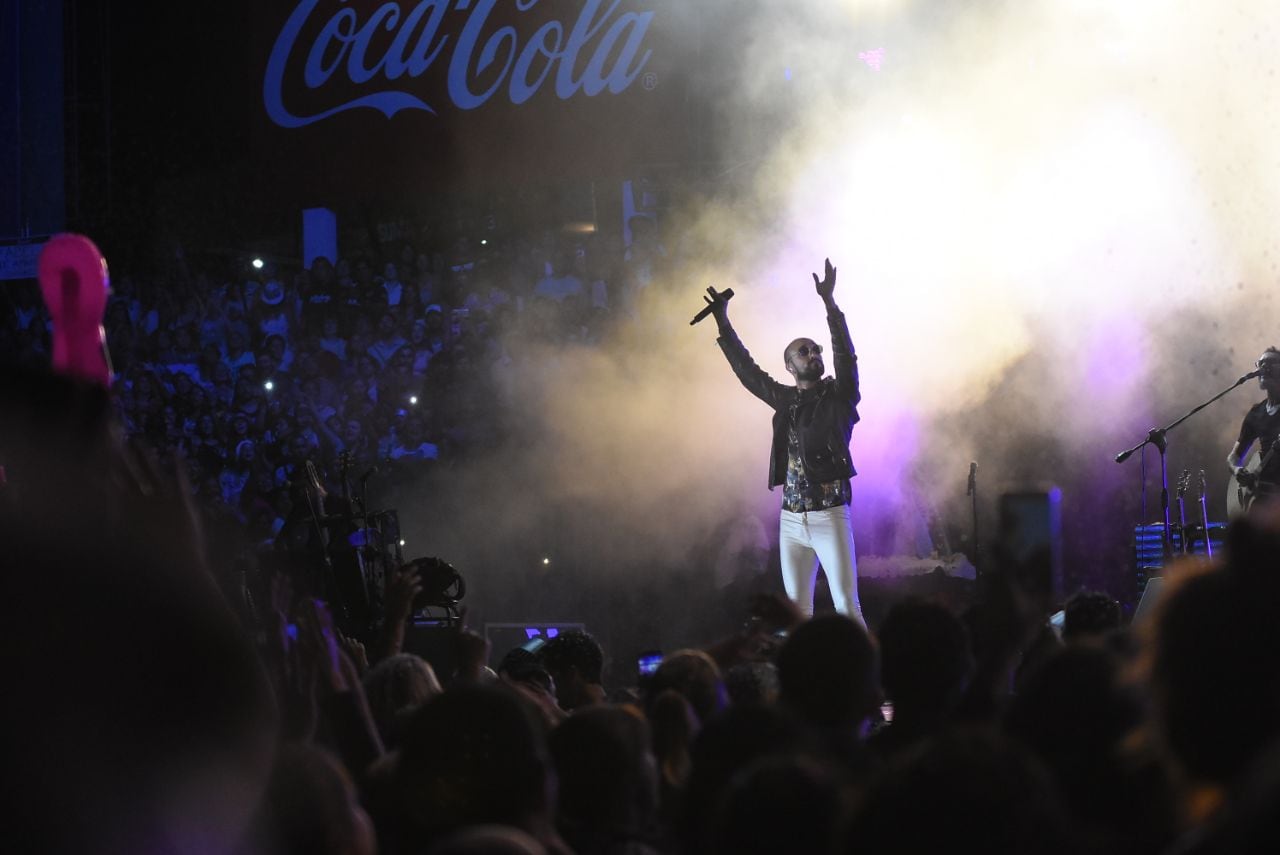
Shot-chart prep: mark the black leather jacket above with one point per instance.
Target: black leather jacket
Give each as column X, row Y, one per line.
column 824, row 417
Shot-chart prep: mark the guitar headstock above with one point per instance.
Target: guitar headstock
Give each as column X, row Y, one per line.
column 1184, row 482
column 1203, row 485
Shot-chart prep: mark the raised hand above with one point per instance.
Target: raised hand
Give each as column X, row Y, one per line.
column 337, row 681
column 471, row 649
column 826, row 287
column 403, row 589
column 355, row 652
column 719, row 304
column 318, row 639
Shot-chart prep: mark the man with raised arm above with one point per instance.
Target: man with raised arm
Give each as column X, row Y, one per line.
column 812, row 422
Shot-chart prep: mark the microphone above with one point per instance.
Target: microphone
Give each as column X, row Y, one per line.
column 727, row 293
column 1257, row 372
column 973, row 479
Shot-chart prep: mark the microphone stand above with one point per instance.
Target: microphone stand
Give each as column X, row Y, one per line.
column 1204, row 517
column 1159, row 438
column 972, row 490
column 1183, row 480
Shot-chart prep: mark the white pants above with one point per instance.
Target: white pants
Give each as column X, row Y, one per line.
column 820, row 536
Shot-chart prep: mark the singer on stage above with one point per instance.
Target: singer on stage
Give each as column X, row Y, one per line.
column 1262, row 425
column 810, row 459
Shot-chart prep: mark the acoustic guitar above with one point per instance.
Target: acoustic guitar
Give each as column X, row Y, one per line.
column 1241, row 496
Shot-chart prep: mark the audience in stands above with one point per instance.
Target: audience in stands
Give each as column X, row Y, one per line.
column 373, row 357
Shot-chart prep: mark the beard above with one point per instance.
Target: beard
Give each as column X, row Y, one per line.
column 811, row 371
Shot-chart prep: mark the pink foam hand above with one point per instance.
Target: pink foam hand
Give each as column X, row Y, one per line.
column 73, row 279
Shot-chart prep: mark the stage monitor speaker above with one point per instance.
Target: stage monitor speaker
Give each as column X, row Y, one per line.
column 1030, row 540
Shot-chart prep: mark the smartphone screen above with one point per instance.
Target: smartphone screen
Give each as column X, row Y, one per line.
column 647, row 663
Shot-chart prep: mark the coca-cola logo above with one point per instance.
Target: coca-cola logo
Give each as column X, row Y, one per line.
column 602, row 50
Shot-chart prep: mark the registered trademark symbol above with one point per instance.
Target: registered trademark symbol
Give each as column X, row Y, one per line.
column 650, row 81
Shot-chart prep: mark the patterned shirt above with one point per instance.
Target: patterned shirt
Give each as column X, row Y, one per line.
column 798, row 494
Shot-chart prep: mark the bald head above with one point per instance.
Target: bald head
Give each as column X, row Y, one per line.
column 803, row 358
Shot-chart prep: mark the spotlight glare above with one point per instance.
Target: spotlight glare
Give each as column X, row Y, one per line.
column 546, row 561
column 268, row 385
column 413, row 399
column 402, row 542
column 257, row 263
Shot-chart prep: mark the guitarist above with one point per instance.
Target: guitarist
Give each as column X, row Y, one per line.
column 1262, row 425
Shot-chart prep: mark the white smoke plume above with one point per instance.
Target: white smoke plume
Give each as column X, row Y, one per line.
column 1055, row 226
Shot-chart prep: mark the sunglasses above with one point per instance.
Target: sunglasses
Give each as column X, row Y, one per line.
column 804, row 351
